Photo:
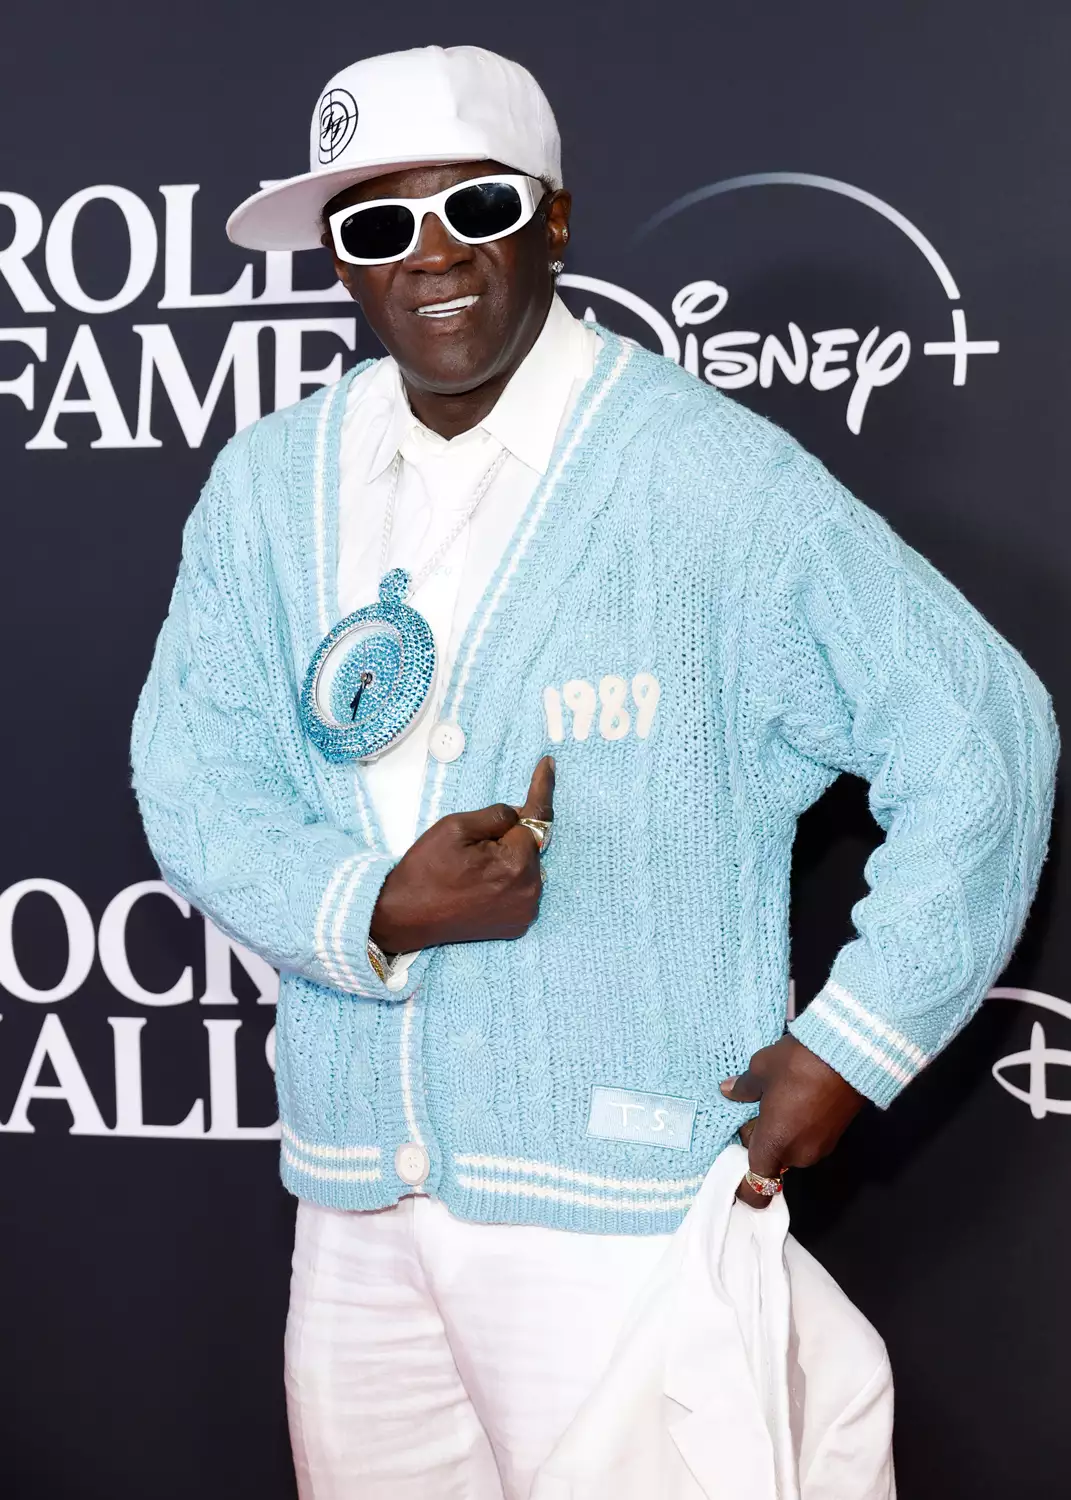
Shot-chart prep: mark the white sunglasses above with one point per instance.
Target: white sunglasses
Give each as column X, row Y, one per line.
column 476, row 211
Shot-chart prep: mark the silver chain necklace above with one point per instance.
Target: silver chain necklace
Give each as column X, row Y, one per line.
column 418, row 579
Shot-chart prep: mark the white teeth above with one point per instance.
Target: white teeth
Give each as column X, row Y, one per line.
column 446, row 309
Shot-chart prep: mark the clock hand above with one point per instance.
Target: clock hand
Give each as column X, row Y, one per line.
column 366, row 678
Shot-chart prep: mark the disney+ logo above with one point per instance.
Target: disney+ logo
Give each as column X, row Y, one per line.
column 1038, row 1058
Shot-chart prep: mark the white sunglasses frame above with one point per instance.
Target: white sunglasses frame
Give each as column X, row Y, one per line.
column 530, row 190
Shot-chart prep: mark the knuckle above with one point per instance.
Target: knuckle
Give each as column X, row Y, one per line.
column 503, row 877
column 764, row 1152
column 519, row 871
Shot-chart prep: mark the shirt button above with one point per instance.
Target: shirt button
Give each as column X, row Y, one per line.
column 447, row 741
column 412, row 1164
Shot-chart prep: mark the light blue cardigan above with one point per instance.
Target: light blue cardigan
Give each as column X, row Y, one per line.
column 683, row 549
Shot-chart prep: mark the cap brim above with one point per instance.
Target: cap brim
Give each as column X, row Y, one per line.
column 286, row 216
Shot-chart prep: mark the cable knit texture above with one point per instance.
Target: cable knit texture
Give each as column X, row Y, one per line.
column 705, row 629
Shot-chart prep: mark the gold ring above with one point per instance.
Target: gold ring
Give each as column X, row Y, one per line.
column 766, row 1187
column 540, row 829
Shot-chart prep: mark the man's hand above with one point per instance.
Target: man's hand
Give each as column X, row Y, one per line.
column 470, row 877
column 805, row 1109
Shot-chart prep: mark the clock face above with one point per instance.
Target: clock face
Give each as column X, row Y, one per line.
column 370, row 677
column 359, row 673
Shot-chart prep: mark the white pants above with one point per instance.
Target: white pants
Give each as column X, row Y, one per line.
column 432, row 1359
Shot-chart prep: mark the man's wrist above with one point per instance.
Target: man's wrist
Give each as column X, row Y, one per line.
column 384, row 930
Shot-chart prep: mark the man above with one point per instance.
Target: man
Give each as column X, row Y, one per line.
column 521, row 570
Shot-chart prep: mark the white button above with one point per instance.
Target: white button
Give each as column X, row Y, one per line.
column 447, row 741
column 411, row 1163
column 397, row 979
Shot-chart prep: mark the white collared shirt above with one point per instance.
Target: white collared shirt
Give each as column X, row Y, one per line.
column 436, row 483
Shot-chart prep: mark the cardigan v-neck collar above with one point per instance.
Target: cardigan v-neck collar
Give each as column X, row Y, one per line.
column 327, row 416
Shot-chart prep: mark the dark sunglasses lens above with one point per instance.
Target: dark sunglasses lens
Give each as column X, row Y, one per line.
column 378, row 231
column 483, row 210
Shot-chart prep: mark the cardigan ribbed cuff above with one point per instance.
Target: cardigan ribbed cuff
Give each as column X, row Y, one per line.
column 342, row 928
column 864, row 1048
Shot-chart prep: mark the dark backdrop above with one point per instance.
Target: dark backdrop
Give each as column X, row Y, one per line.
column 144, row 1238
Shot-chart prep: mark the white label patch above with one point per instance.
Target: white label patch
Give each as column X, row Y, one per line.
column 610, row 710
column 644, row 1119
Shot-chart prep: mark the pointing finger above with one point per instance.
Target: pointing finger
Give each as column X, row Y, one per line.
column 540, row 800
column 539, row 806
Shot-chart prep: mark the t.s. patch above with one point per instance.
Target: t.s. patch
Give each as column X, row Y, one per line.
column 641, row 1119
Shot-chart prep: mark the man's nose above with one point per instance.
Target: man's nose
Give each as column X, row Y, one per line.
column 436, row 250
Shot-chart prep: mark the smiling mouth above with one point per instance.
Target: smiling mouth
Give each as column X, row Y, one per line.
column 446, row 309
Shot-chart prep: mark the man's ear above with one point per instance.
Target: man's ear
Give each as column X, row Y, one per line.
column 557, row 208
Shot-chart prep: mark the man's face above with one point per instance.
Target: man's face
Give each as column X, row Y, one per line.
column 510, row 279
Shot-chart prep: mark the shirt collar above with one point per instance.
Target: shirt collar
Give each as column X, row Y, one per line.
column 526, row 417
column 400, row 419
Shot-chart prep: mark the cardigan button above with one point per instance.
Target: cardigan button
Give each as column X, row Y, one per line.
column 412, row 1163
column 447, row 741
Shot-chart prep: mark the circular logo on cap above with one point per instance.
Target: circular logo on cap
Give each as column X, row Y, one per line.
column 338, row 121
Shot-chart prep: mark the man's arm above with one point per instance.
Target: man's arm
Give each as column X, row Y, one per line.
column 867, row 660
column 233, row 831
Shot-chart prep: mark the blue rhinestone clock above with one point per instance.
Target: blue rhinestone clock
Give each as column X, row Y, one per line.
column 370, row 677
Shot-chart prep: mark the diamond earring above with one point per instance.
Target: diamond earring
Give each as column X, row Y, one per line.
column 557, row 267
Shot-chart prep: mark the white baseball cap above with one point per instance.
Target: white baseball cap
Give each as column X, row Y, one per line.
column 424, row 107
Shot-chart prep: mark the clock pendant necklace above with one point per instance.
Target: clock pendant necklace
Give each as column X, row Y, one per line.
column 372, row 674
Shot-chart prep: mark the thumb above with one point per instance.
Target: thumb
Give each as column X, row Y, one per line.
column 486, row 822
column 747, row 1089
column 540, row 800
